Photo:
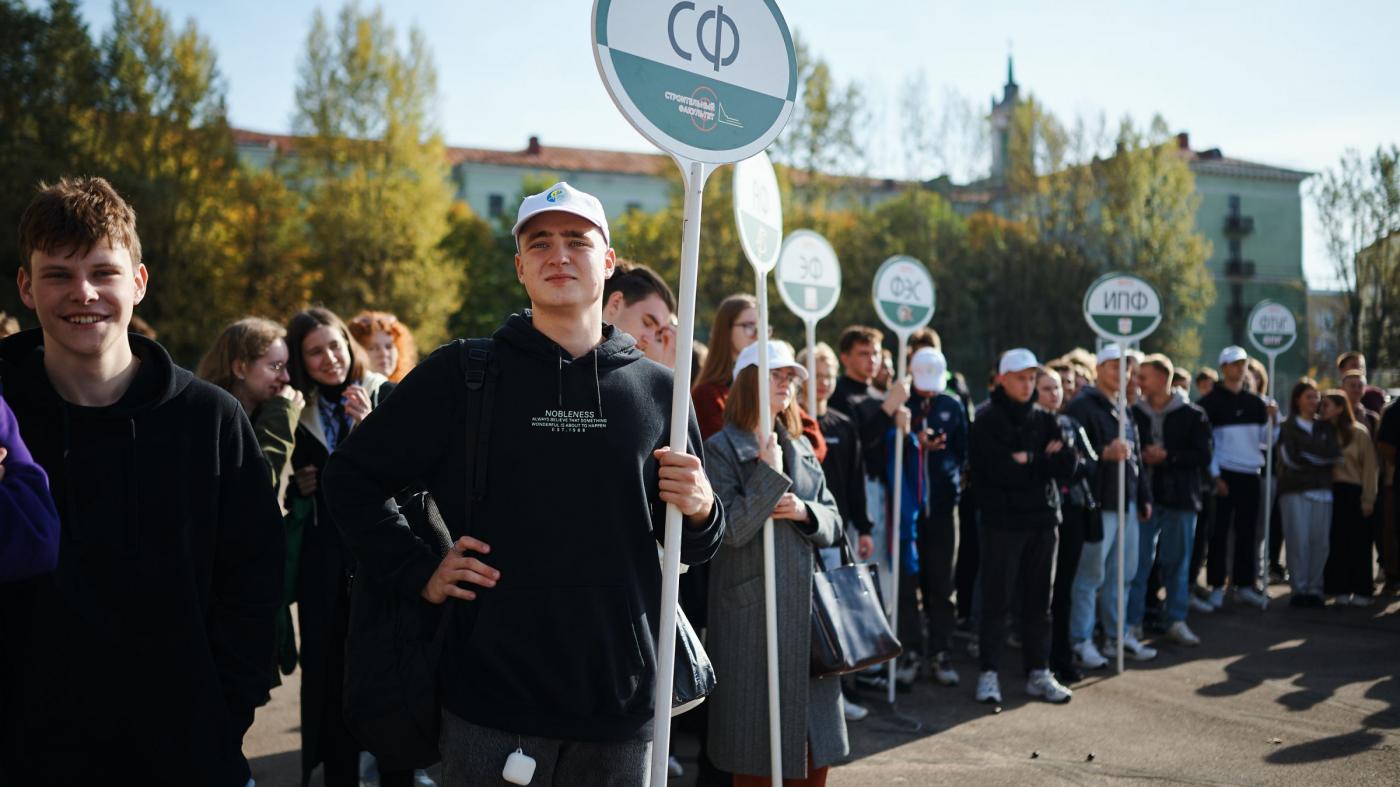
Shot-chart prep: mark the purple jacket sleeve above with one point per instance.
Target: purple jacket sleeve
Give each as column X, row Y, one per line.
column 28, row 518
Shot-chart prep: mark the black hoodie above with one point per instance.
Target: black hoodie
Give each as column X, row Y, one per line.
column 143, row 656
column 564, row 646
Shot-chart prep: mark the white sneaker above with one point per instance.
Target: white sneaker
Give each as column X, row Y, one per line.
column 673, row 767
column 1043, row 684
column 422, row 779
column 1217, row 598
column 1088, row 656
column 1338, row 600
column 1135, row 650
column 943, row 671
column 1360, row 601
column 854, row 712
column 1252, row 597
column 1183, row 635
column 1200, row 605
column 988, row 688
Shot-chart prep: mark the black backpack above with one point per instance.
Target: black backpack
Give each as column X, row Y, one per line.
column 393, row 645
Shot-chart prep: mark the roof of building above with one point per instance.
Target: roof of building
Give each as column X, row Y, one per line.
column 539, row 156
column 1213, row 162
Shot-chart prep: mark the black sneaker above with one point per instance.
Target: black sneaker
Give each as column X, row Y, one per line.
column 1068, row 675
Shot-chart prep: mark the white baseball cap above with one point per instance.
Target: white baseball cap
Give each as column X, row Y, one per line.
column 778, row 358
column 1233, row 354
column 1017, row 360
column 1110, row 353
column 566, row 199
column 930, row 370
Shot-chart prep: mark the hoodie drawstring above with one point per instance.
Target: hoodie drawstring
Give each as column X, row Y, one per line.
column 559, row 379
column 597, row 384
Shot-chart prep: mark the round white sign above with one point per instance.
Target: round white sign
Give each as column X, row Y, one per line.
column 703, row 80
column 809, row 275
column 1121, row 307
column 758, row 211
column 1272, row 328
column 904, row 295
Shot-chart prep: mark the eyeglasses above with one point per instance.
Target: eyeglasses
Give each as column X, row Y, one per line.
column 783, row 376
column 750, row 329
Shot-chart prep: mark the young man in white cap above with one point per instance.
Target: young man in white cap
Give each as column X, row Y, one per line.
column 1095, row 407
column 550, row 646
column 1239, row 422
column 1176, row 450
column 1019, row 461
column 938, row 432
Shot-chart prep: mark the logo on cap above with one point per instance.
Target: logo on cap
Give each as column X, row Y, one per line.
column 557, row 195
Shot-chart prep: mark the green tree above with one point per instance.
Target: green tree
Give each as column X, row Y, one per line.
column 374, row 172
column 824, row 136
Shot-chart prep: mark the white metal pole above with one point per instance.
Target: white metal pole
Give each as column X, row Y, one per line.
column 1122, row 491
column 1268, row 479
column 695, row 176
column 770, row 587
column 895, row 528
column 812, row 368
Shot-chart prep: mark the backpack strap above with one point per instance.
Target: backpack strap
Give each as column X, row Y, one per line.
column 481, row 375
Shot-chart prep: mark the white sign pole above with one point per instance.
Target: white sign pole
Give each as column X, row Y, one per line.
column 770, row 588
column 812, row 368
column 695, row 177
column 1122, row 491
column 1272, row 330
column 710, row 88
column 897, row 524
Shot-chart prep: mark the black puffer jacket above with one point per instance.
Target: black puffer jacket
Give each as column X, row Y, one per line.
column 1184, row 430
column 1011, row 495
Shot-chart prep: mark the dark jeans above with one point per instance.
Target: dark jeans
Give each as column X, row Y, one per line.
column 1009, row 555
column 936, row 578
column 1066, row 564
column 473, row 756
column 965, row 576
column 1348, row 567
column 1237, row 512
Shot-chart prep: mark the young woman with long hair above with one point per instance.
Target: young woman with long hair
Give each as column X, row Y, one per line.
column 735, row 327
column 1347, row 577
column 1308, row 451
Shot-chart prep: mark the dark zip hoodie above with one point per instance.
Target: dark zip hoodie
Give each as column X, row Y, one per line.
column 145, row 653
column 564, row 646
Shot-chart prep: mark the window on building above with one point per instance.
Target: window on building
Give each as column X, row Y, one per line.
column 1234, row 204
column 496, row 205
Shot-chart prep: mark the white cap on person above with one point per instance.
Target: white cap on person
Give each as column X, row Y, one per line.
column 929, row 369
column 778, row 358
column 1233, row 354
column 1017, row 360
column 1110, row 353
column 566, row 199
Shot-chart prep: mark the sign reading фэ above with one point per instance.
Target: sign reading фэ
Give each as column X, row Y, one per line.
column 707, row 81
column 1121, row 307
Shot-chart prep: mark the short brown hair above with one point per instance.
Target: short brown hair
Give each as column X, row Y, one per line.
column 858, row 334
column 1349, row 357
column 75, row 215
column 1207, row 373
column 636, row 283
column 1161, row 363
column 924, row 337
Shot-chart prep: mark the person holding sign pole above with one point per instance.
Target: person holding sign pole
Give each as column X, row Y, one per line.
column 1095, row 410
column 781, row 479
column 1019, row 461
column 555, row 594
column 1239, row 422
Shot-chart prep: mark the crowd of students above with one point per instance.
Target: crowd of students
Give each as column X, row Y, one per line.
column 154, row 517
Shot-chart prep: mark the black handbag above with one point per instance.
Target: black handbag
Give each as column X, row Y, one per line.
column 394, row 644
column 849, row 629
column 695, row 675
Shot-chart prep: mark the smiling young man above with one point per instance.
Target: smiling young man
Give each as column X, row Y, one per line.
column 641, row 304
column 551, row 642
column 143, row 656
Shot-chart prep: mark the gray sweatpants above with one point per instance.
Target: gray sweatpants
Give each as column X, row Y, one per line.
column 474, row 756
column 1306, row 530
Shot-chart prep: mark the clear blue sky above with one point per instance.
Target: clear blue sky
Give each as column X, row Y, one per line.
column 1284, row 82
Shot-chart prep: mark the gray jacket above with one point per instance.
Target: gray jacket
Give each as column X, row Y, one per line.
column 737, row 640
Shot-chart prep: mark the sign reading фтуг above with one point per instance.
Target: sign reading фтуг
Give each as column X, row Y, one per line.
column 707, row 81
column 1272, row 328
column 1121, row 307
